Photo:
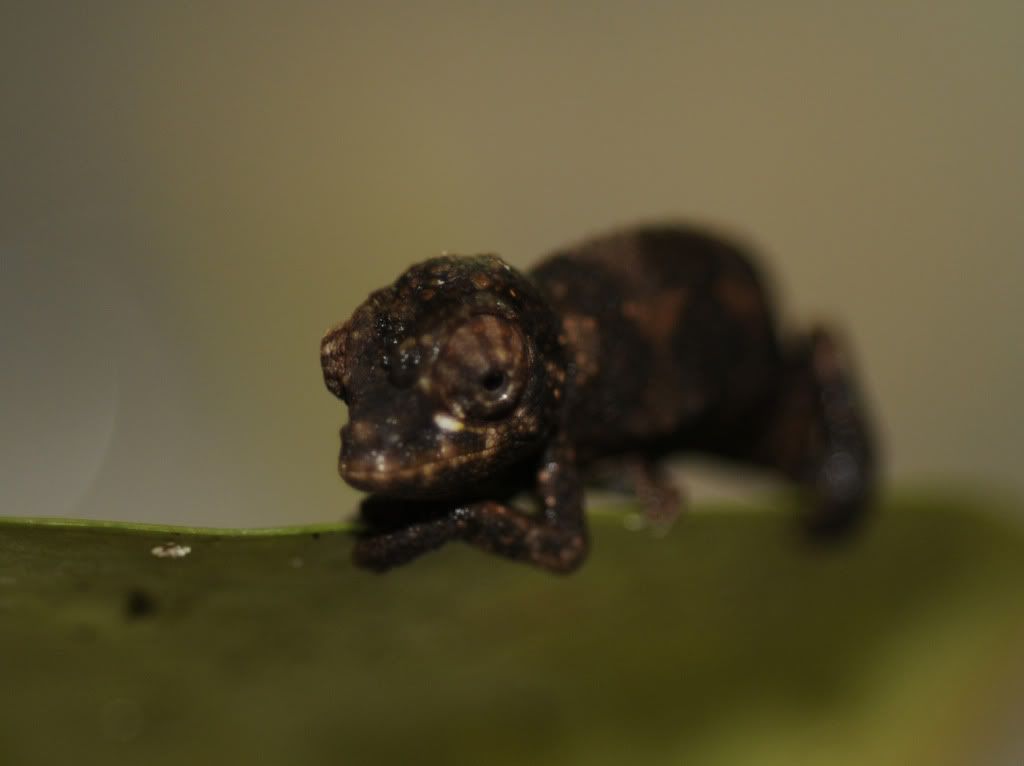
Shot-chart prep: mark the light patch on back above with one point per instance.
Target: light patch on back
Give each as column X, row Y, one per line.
column 659, row 315
column 580, row 334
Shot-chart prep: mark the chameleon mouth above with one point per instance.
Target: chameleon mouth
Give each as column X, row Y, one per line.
column 382, row 474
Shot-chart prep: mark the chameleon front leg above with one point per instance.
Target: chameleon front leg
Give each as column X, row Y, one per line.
column 554, row 539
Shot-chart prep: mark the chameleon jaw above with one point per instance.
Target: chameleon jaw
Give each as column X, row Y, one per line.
column 381, row 475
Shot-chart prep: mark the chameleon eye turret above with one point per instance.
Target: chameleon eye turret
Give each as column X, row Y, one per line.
column 483, row 368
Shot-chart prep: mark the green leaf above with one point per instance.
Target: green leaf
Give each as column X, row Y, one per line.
column 726, row 641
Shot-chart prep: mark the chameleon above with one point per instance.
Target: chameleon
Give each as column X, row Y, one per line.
column 470, row 383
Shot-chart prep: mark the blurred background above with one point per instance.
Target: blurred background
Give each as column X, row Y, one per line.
column 191, row 193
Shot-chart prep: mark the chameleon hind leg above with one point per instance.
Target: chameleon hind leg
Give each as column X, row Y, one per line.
column 819, row 435
column 644, row 477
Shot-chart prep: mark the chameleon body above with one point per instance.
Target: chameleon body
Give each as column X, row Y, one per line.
column 469, row 382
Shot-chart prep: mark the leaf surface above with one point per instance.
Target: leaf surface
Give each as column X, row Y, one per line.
column 726, row 641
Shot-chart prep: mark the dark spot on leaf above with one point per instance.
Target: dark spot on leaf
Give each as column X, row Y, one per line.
column 315, row 535
column 139, row 604
column 84, row 633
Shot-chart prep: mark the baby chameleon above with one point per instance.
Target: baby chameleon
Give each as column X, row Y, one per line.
column 468, row 382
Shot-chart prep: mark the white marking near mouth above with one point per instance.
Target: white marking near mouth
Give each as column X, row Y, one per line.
column 369, row 475
column 446, row 422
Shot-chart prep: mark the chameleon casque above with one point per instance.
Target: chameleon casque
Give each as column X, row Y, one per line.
column 468, row 382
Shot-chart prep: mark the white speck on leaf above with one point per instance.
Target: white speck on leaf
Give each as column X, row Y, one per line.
column 171, row 551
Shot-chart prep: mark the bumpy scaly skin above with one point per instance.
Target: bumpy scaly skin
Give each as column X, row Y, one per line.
column 468, row 382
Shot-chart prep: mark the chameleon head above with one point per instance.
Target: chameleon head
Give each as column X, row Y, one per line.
column 451, row 374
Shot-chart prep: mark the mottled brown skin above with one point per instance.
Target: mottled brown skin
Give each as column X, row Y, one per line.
column 468, row 382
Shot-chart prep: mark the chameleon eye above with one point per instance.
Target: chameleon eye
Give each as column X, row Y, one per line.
column 482, row 369
column 493, row 380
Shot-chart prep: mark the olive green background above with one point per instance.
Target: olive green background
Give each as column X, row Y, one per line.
column 191, row 193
